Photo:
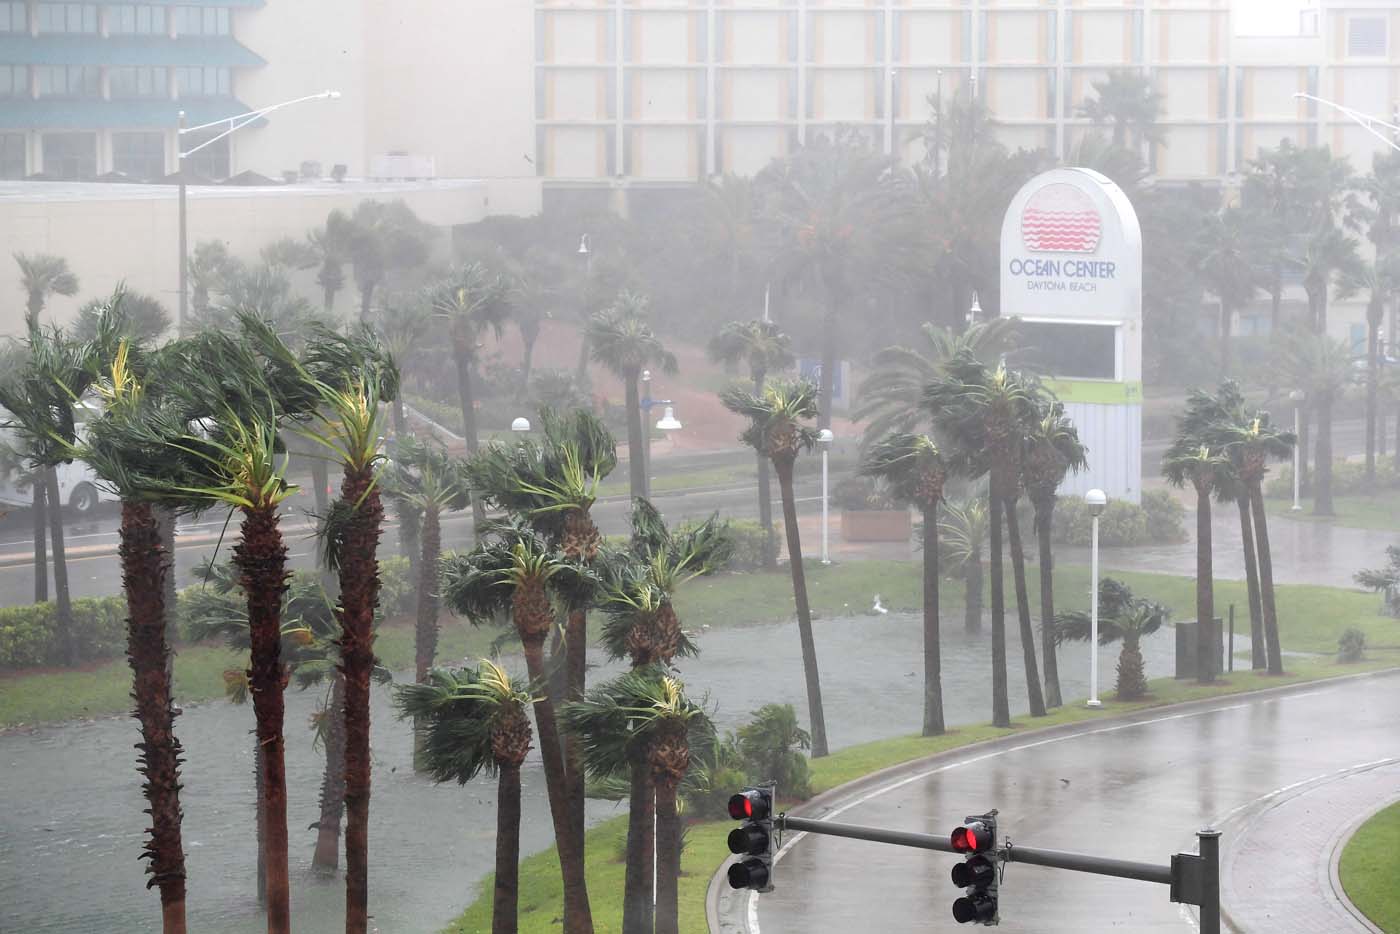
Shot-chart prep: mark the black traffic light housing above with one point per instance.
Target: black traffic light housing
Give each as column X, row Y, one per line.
column 976, row 838
column 753, row 841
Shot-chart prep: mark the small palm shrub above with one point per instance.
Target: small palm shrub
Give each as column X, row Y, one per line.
column 1351, row 647
column 771, row 747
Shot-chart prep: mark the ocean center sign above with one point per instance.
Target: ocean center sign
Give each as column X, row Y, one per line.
column 1071, row 270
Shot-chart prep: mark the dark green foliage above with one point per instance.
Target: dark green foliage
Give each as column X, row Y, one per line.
column 1351, row 647
column 1385, row 581
column 771, row 745
column 861, row 492
column 29, row 634
column 143, row 318
column 1159, row 520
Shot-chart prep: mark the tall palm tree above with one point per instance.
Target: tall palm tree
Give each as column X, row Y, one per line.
column 732, row 223
column 645, row 716
column 983, row 412
column 1121, row 617
column 779, row 430
column 403, row 325
column 1322, row 367
column 512, row 572
column 1378, row 279
column 476, row 722
column 1051, row 450
column 1230, row 489
column 1131, row 103
column 1329, row 261
column 1191, row 459
column 913, row 467
column 379, row 238
column 42, row 275
column 963, row 531
column 1222, row 257
column 620, row 338
column 766, row 349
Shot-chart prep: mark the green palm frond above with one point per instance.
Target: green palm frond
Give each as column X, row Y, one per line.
column 911, row 465
column 461, row 709
column 620, row 337
column 778, row 416
column 762, row 345
column 616, row 718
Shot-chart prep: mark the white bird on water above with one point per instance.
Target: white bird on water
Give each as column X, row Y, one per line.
column 879, row 608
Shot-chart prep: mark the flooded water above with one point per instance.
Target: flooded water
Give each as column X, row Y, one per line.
column 72, row 824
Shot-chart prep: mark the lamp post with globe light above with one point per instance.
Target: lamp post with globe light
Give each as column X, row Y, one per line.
column 1097, row 501
column 1297, row 396
column 825, row 437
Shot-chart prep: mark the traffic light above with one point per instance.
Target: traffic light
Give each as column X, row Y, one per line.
column 752, row 841
column 977, row 874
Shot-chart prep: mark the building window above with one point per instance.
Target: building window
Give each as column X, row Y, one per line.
column 14, row 16
column 12, row 155
column 67, row 17
column 145, row 81
column 203, row 82
column 70, row 155
column 69, row 80
column 212, row 161
column 1366, row 37
column 132, row 20
column 14, row 81
column 140, row 155
column 201, row 21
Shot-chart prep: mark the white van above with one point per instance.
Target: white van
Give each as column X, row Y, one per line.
column 78, row 486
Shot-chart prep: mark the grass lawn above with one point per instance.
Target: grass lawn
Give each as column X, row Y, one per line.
column 1370, row 867
column 1380, row 512
column 542, row 892
column 1310, row 620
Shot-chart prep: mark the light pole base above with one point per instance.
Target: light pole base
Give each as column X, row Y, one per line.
column 826, row 561
column 1093, row 703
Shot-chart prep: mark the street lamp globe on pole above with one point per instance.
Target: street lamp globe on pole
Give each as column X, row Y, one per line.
column 825, row 437
column 520, row 424
column 1097, row 501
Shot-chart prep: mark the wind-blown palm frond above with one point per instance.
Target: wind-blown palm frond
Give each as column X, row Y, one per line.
column 911, row 465
column 462, row 710
column 777, row 417
column 620, row 337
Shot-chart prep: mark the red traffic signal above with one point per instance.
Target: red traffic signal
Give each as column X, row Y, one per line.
column 972, row 837
column 749, row 805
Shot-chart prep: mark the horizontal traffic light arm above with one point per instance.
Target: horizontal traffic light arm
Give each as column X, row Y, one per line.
column 921, row 841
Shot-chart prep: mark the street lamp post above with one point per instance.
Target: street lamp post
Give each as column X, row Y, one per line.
column 825, row 437
column 1097, row 501
column 647, row 404
column 1297, row 396
column 232, row 125
column 667, row 422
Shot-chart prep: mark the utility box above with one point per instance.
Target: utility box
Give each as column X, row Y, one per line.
column 1187, row 636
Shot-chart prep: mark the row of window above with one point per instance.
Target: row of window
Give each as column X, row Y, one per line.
column 139, row 154
column 128, row 19
column 126, row 82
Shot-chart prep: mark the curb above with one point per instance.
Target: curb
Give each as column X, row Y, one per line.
column 812, row 807
column 1334, row 862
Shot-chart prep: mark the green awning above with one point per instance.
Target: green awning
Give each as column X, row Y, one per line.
column 125, row 114
column 212, row 52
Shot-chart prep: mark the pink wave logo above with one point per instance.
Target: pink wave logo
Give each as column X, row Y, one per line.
column 1060, row 218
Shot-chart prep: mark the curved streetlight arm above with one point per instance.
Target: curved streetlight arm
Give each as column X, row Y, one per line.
column 1365, row 121
column 238, row 122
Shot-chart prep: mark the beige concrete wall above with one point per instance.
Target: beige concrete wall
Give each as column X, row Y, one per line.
column 111, row 234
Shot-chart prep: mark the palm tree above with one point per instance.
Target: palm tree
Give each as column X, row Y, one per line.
column 1191, row 459
column 732, row 219
column 144, row 319
column 963, row 532
column 470, row 301
column 1229, row 489
column 779, row 430
column 1131, row 102
column 1378, row 279
column 1322, row 367
column 913, row 467
column 983, row 413
column 766, row 349
column 620, row 338
column 645, row 717
column 1222, row 257
column 1052, row 449
column 476, row 722
column 378, row 239
column 332, row 243
column 1328, row 261
column 42, row 275
column 1121, row 616
column 209, row 269
column 512, row 571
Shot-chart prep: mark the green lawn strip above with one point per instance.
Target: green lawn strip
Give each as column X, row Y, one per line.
column 664, row 481
column 1380, row 511
column 1371, row 864
column 542, row 892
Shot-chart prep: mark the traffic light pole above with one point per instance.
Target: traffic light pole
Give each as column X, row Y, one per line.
column 1193, row 879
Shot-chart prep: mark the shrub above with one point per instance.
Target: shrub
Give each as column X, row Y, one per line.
column 771, row 749
column 858, row 492
column 748, row 538
column 1166, row 518
column 396, row 590
column 1348, row 479
column 1352, row 645
column 29, row 634
column 1160, row 520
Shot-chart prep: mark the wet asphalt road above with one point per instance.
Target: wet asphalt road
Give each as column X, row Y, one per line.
column 1133, row 790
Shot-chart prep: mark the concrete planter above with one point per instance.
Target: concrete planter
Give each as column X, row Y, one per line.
column 876, row 525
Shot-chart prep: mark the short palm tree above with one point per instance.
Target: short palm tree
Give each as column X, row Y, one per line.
column 1051, row 450
column 210, row 266
column 644, row 719
column 620, row 338
column 779, row 429
column 512, row 572
column 476, row 721
column 471, row 301
column 1131, row 103
column 42, row 275
column 380, row 238
column 764, row 347
column 963, row 532
column 1121, row 617
column 914, row 468
column 1191, row 459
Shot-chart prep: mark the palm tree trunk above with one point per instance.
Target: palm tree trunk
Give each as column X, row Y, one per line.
column 408, row 514
column 1251, row 576
column 1322, row 491
column 933, row 662
column 783, row 468
column 575, row 678
column 41, row 537
column 636, row 886
column 425, row 644
column 466, row 400
column 359, row 595
column 260, row 820
column 1372, row 387
column 1205, row 592
column 581, row 368
column 63, row 603
column 1304, row 435
column 1044, row 512
column 527, row 361
column 165, row 522
column 1023, row 611
column 366, row 295
column 1227, row 316
column 636, row 464
column 578, row 917
column 668, row 853
column 505, row 898
column 830, row 337
column 765, row 498
column 1266, row 579
column 974, row 578
column 1275, row 298
column 148, row 653
column 261, row 558
column 327, row 853
column 1001, row 708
